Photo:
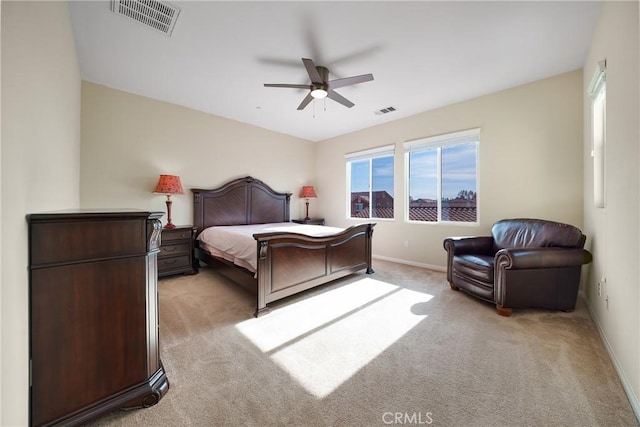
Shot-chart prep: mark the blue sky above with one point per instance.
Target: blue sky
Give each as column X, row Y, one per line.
column 458, row 170
column 382, row 175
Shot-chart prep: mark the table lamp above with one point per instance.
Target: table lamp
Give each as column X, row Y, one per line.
column 169, row 184
column 308, row 192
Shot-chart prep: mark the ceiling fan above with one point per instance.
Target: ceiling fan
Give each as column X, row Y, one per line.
column 321, row 86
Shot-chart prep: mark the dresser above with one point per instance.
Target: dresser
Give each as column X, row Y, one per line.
column 93, row 314
column 176, row 251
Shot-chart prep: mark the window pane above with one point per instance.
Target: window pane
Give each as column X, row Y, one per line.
column 382, row 187
column 599, row 139
column 360, row 189
column 459, row 187
column 423, row 186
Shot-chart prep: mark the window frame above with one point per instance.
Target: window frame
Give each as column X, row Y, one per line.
column 370, row 154
column 437, row 143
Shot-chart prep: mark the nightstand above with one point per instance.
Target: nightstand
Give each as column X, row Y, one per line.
column 176, row 251
column 313, row 221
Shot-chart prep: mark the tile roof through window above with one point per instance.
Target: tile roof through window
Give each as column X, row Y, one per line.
column 427, row 214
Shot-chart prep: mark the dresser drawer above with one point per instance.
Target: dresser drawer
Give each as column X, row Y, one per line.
column 90, row 239
column 177, row 234
column 174, row 250
column 174, row 263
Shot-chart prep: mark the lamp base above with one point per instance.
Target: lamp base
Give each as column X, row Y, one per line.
column 306, row 218
column 169, row 223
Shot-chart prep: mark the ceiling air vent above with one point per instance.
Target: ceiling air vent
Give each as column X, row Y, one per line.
column 159, row 15
column 385, row 111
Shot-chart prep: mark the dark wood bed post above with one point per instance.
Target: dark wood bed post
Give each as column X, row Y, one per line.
column 263, row 279
column 369, row 250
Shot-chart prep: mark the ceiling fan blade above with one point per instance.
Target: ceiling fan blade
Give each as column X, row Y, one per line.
column 287, row 85
column 311, row 70
column 340, row 99
column 305, row 101
column 348, row 81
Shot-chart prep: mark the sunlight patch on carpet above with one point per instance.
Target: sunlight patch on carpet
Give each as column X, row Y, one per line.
column 324, row 340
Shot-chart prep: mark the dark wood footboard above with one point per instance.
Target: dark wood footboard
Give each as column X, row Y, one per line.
column 289, row 263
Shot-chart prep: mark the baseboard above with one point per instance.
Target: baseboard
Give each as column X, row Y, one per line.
column 413, row 263
column 626, row 385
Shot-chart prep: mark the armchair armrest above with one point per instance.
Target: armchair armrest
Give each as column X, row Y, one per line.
column 468, row 245
column 547, row 257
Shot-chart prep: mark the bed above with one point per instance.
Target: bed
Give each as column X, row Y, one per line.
column 287, row 262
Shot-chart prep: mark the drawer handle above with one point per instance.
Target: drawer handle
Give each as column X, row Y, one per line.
column 170, row 249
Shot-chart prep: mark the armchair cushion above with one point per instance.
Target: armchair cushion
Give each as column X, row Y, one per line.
column 479, row 267
column 527, row 233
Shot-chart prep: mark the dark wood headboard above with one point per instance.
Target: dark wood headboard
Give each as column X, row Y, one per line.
column 239, row 202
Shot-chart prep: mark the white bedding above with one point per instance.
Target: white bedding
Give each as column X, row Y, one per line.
column 236, row 244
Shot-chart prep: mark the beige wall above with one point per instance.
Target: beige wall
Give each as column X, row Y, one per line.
column 128, row 140
column 616, row 228
column 40, row 164
column 530, row 164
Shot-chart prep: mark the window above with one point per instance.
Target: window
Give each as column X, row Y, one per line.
column 370, row 183
column 598, row 92
column 442, row 178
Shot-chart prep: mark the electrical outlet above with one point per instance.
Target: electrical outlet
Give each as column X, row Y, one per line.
column 406, row 243
column 607, row 301
column 601, row 283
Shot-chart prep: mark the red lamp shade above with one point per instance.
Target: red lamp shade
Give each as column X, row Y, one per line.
column 308, row 192
column 169, row 184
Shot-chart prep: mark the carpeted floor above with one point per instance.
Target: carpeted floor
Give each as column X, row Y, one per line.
column 398, row 347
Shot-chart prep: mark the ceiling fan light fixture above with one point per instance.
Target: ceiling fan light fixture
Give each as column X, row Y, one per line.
column 319, row 93
column 321, row 87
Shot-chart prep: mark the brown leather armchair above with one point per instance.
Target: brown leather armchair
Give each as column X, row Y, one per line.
column 525, row 263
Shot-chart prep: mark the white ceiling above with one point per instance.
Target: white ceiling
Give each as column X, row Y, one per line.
column 422, row 54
